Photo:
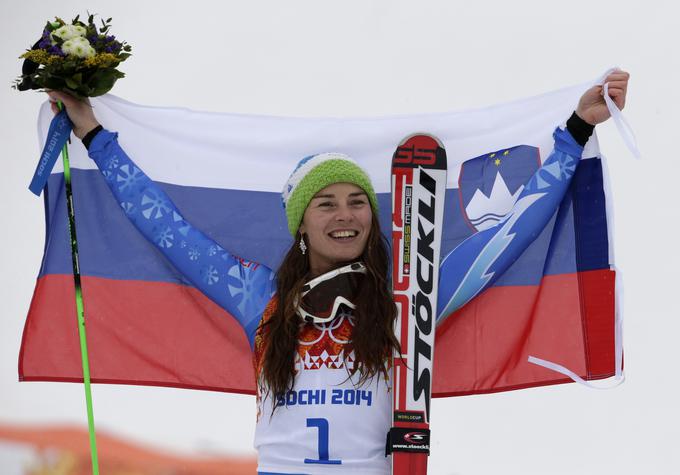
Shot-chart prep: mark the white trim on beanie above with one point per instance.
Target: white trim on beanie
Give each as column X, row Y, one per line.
column 306, row 165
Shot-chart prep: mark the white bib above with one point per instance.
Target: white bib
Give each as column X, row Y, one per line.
column 326, row 423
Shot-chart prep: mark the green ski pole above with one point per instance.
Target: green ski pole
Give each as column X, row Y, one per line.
column 79, row 306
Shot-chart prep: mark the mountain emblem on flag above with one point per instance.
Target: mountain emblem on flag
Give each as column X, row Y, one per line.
column 490, row 184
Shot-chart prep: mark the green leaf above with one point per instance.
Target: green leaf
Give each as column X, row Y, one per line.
column 104, row 86
column 71, row 83
column 53, row 83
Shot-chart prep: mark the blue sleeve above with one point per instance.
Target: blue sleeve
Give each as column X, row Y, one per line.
column 477, row 262
column 241, row 287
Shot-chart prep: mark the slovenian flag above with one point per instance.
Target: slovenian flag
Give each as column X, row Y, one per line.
column 550, row 318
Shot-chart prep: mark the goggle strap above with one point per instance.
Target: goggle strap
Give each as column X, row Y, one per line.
column 353, row 267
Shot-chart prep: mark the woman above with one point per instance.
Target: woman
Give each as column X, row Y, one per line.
column 321, row 328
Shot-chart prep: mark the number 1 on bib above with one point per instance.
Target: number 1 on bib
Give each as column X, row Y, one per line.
column 418, row 184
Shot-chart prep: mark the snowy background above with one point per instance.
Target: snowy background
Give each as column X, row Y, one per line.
column 321, row 58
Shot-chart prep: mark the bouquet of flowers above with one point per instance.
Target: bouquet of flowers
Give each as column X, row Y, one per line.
column 75, row 57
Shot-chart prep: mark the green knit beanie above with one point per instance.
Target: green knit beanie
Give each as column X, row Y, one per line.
column 316, row 172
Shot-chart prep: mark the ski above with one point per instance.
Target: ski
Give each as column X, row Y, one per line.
column 418, row 184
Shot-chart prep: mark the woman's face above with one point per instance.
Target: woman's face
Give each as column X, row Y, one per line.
column 337, row 223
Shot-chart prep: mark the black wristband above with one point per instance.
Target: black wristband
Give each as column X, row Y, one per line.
column 90, row 135
column 579, row 129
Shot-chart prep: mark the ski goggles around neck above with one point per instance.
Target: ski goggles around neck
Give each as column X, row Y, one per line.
column 321, row 297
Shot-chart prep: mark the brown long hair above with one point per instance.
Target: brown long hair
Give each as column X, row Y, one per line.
column 373, row 337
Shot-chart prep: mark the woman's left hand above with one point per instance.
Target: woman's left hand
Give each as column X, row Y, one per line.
column 591, row 106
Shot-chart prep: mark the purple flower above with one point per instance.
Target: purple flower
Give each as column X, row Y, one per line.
column 110, row 38
column 56, row 49
column 108, row 49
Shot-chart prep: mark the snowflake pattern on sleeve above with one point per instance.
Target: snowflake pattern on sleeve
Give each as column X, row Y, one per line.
column 241, row 287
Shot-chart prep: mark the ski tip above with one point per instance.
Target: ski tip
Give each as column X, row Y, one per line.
column 420, row 150
column 421, row 139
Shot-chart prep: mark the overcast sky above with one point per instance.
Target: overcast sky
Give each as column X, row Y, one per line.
column 321, row 58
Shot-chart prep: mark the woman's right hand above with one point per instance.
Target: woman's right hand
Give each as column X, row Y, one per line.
column 79, row 111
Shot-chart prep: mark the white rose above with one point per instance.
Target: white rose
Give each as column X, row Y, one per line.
column 68, row 32
column 65, row 32
column 79, row 47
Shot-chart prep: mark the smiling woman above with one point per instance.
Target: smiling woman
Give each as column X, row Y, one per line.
column 323, row 388
column 336, row 226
